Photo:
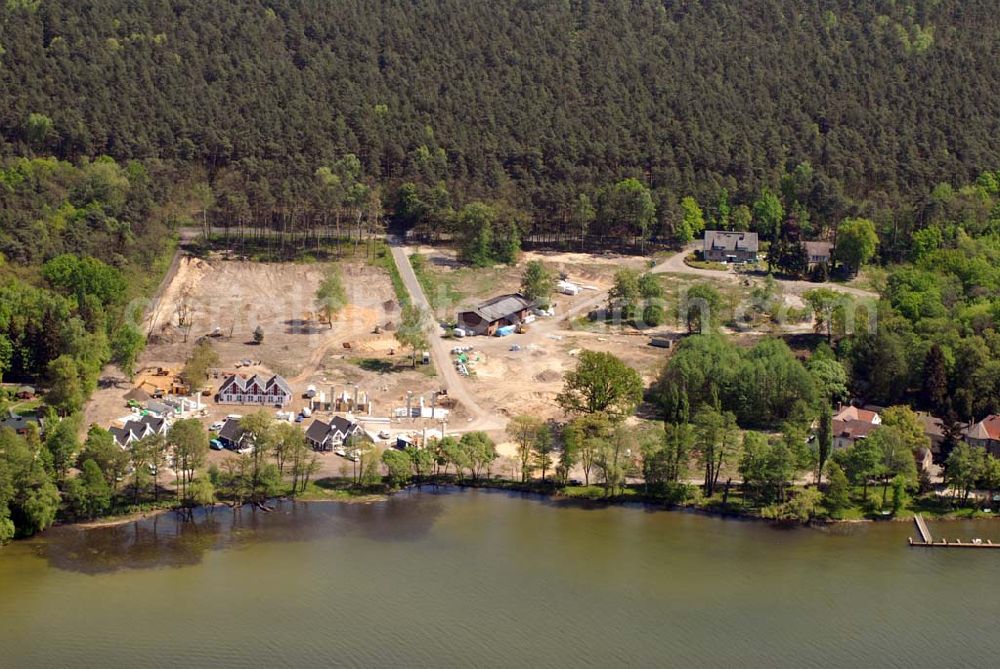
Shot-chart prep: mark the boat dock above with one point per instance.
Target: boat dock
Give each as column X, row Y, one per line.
column 927, row 540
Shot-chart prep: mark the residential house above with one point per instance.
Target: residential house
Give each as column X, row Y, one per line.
column 138, row 429
column 867, row 415
column 847, row 432
column 723, row 246
column 985, row 434
column 496, row 313
column 819, row 253
column 238, row 389
column 233, row 436
column 18, row 423
column 327, row 436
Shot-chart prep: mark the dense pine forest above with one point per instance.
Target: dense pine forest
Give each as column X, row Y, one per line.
column 530, row 103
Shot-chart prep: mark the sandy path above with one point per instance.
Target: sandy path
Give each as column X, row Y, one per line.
column 675, row 264
column 458, row 390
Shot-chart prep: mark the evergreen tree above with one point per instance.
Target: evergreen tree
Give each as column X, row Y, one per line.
column 837, row 496
column 934, row 393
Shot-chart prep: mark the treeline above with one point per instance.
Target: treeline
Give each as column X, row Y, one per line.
column 77, row 242
column 527, row 105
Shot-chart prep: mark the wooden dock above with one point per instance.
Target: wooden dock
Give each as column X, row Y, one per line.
column 926, row 540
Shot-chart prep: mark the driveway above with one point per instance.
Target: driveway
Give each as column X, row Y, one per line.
column 675, row 264
column 457, row 385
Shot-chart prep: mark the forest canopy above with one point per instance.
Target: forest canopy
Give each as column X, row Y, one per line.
column 529, row 102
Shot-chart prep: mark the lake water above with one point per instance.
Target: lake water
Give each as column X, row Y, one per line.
column 479, row 578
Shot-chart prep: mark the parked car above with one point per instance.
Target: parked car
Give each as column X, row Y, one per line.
column 216, row 426
column 384, row 434
column 299, row 418
column 215, row 445
column 341, row 451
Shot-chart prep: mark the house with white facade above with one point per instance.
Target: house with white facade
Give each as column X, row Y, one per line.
column 327, row 436
column 256, row 389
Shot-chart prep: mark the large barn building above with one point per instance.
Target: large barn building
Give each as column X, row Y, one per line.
column 494, row 314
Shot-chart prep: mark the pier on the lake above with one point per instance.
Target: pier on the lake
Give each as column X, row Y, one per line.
column 927, row 540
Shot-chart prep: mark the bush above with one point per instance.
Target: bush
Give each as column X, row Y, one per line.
column 653, row 315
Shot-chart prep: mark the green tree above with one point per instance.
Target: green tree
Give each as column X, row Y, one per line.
column 837, row 496
column 65, row 393
column 701, row 308
column 651, row 291
column 201, row 492
column 934, row 391
column 899, row 496
column 768, row 215
column 824, row 440
column 526, row 431
column 62, row 442
column 399, row 466
column 716, row 438
column 258, row 335
column 861, row 463
column 583, row 215
column 601, row 383
column 480, row 452
column 202, row 359
column 626, row 210
column 830, row 378
column 330, row 297
column 962, row 470
column 189, row 441
column 624, row 296
column 126, row 346
column 537, row 282
column 39, row 131
column 476, row 222
column 422, row 460
column 856, row 242
column 412, row 330
column 692, row 221
column 101, row 447
column 89, row 495
column 895, row 456
column 741, row 218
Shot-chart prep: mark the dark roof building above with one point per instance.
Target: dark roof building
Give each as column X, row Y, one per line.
column 137, row 429
column 326, row 436
column 18, row 423
column 819, row 253
column 725, row 246
column 232, row 435
column 496, row 313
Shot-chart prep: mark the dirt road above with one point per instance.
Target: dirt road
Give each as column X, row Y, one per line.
column 458, row 387
column 675, row 264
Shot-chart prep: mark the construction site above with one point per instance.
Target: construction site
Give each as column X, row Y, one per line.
column 353, row 364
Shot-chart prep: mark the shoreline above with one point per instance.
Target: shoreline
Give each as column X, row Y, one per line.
column 554, row 496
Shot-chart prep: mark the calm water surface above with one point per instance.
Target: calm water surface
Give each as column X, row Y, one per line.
column 491, row 579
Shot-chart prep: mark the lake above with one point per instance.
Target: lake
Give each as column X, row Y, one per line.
column 484, row 578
